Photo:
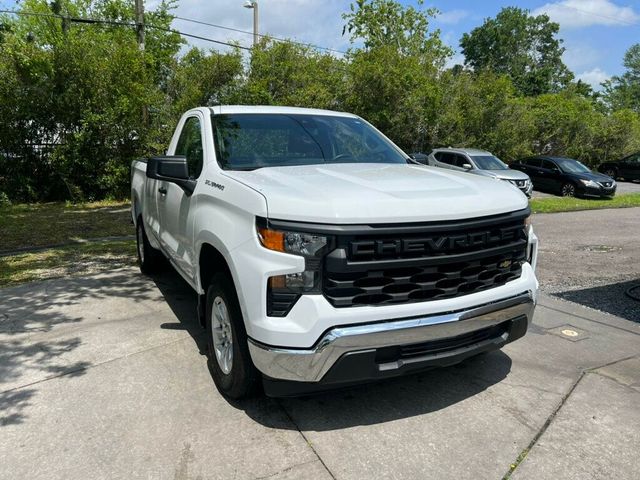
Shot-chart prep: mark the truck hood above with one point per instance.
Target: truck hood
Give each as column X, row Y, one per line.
column 368, row 193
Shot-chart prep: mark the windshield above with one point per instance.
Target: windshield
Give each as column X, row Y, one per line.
column 571, row 166
column 488, row 162
column 250, row 141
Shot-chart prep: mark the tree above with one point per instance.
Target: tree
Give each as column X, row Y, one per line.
column 521, row 46
column 392, row 81
column 285, row 73
column 624, row 91
column 480, row 110
column 73, row 95
column 388, row 24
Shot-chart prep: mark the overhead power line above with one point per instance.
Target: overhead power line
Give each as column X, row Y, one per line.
column 122, row 24
column 271, row 37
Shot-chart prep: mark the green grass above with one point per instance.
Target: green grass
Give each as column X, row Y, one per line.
column 61, row 262
column 568, row 204
column 43, row 224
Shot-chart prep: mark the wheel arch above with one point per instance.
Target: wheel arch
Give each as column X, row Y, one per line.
column 212, row 260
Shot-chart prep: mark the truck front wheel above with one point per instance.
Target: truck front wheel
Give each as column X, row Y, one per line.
column 149, row 259
column 229, row 360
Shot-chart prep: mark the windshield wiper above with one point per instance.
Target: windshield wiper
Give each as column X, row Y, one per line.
column 241, row 169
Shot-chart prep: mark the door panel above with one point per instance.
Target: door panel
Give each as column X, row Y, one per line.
column 150, row 210
column 552, row 175
column 175, row 207
column 532, row 168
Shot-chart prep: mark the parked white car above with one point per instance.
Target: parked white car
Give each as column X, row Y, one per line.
column 323, row 256
column 480, row 162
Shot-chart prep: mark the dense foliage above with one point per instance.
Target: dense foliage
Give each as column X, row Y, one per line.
column 521, row 46
column 80, row 100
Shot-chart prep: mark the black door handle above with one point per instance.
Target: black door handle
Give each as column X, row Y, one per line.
column 162, row 190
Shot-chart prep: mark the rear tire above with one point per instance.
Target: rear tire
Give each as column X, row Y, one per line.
column 229, row 359
column 568, row 190
column 611, row 172
column 149, row 259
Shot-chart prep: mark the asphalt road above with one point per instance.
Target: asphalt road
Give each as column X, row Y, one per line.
column 623, row 187
column 104, row 377
column 591, row 257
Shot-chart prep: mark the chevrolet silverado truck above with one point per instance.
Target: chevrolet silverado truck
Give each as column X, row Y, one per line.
column 323, row 256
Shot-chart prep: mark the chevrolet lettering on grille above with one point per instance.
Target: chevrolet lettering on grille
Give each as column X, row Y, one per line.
column 435, row 244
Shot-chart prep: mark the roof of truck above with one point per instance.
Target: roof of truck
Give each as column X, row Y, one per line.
column 227, row 109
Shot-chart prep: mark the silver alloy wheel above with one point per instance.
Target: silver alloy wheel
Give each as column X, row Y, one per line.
column 568, row 190
column 610, row 173
column 140, row 234
column 222, row 335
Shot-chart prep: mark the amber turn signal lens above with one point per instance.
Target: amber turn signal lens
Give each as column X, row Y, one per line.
column 277, row 282
column 271, row 239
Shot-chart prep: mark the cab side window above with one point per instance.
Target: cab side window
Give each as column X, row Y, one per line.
column 461, row 161
column 190, row 145
column 447, row 158
column 533, row 162
column 549, row 165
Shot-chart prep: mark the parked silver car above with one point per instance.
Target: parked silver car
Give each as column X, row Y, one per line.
column 479, row 162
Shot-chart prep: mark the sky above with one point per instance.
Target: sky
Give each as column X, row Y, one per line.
column 596, row 33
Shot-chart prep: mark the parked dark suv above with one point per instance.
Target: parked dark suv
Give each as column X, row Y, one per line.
column 627, row 168
column 565, row 176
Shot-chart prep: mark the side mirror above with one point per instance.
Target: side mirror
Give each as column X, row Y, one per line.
column 172, row 169
column 420, row 158
column 467, row 166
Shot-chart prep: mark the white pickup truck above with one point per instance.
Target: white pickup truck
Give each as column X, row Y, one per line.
column 324, row 256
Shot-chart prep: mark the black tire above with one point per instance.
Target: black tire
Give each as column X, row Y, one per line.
column 239, row 377
column 611, row 172
column 568, row 190
column 149, row 259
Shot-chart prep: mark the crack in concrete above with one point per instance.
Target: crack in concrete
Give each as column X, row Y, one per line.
column 523, row 454
column 306, row 440
column 271, row 475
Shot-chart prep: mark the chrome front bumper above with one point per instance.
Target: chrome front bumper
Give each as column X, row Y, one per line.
column 311, row 365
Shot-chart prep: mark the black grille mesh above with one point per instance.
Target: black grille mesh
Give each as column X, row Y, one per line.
column 453, row 272
column 415, row 284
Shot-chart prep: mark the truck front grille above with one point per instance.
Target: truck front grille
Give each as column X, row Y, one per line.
column 425, row 262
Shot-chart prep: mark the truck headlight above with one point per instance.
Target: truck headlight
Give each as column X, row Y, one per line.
column 297, row 243
column 284, row 290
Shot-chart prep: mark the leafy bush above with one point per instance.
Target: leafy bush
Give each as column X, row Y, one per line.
column 81, row 101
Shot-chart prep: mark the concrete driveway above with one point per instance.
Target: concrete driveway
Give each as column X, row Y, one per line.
column 105, row 377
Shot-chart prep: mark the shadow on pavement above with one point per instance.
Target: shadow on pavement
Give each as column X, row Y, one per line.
column 390, row 400
column 607, row 298
column 29, row 310
column 362, row 405
column 183, row 301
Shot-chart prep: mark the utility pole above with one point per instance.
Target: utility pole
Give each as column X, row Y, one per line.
column 253, row 4
column 140, row 23
column 140, row 34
